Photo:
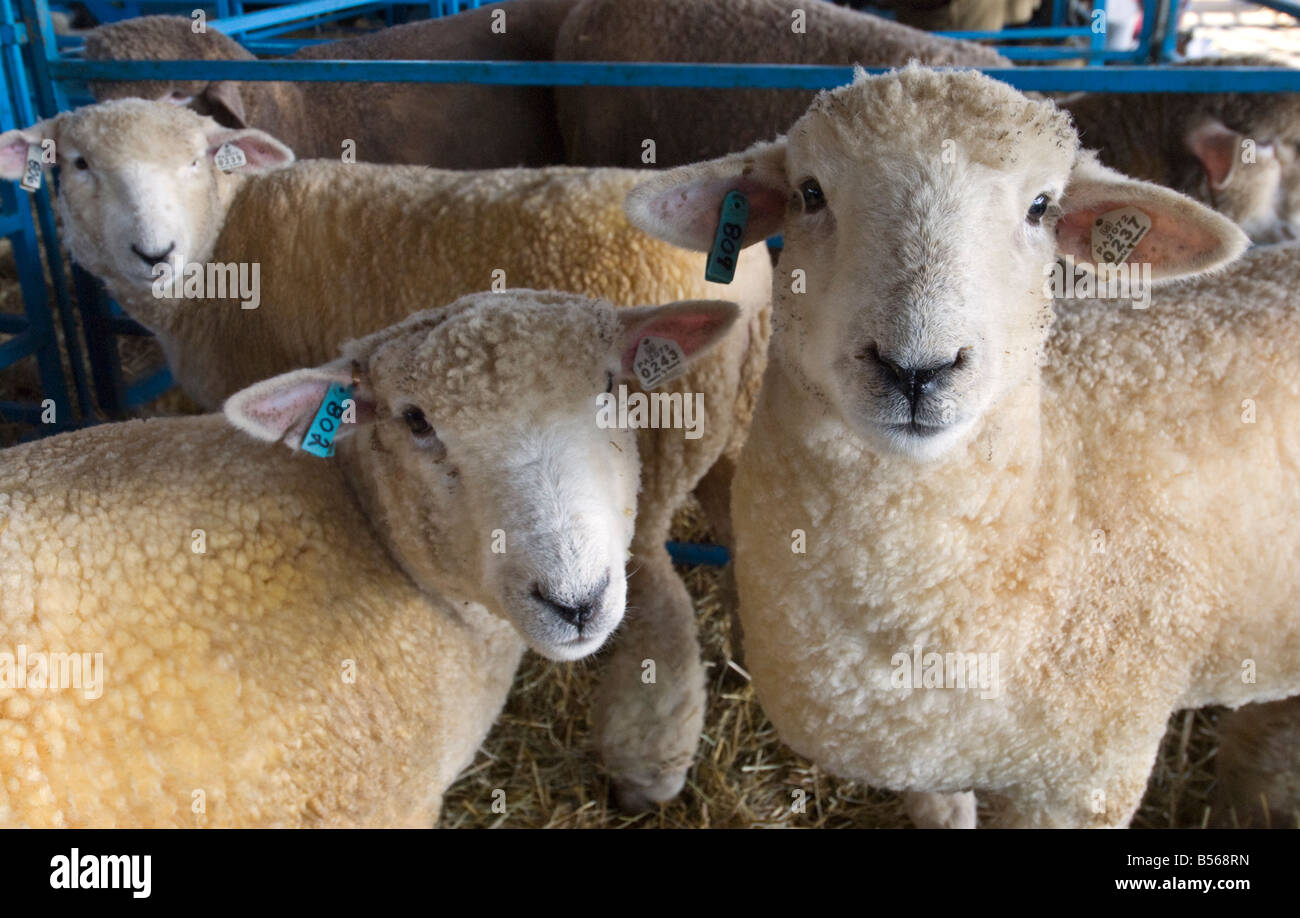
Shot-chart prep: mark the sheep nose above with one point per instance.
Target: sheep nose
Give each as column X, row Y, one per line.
column 152, row 259
column 914, row 381
column 576, row 610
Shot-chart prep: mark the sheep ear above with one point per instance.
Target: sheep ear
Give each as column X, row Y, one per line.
column 691, row 327
column 262, row 152
column 682, row 205
column 283, row 407
column 1218, row 147
column 222, row 102
column 14, row 144
column 1178, row 237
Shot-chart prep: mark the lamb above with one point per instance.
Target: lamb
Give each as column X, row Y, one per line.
column 454, row 126
column 1239, row 153
column 604, row 126
column 347, row 249
column 945, row 485
column 293, row 641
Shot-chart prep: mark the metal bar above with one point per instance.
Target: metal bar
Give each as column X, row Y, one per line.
column 1019, row 34
column 1290, row 7
column 289, row 12
column 698, row 553
column 275, row 31
column 712, row 76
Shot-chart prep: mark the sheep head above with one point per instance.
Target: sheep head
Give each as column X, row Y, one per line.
column 478, row 450
column 142, row 184
column 922, row 212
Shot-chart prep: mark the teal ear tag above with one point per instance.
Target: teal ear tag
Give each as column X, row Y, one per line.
column 721, row 267
column 329, row 418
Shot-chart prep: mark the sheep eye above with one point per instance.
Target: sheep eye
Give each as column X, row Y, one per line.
column 609, row 382
column 813, row 198
column 80, row 163
column 1037, row 209
column 417, row 422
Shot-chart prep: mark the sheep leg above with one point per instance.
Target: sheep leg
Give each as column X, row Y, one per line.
column 941, row 811
column 1100, row 801
column 649, row 705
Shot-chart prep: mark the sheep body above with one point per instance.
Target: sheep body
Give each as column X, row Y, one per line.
column 345, row 249
column 1002, row 560
column 937, row 474
column 1257, row 766
column 455, row 126
column 225, row 671
column 603, row 126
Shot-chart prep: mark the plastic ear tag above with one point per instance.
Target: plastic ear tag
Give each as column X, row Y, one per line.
column 1116, row 233
column 657, row 360
column 230, row 157
column 31, row 179
column 329, row 418
column 721, row 267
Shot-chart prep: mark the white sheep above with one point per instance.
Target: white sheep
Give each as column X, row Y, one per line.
column 979, row 546
column 288, row 640
column 342, row 250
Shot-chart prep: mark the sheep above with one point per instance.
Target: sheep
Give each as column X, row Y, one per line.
column 284, row 640
column 1237, row 152
column 347, row 249
column 1076, row 518
column 454, row 126
column 1257, row 766
column 605, row 126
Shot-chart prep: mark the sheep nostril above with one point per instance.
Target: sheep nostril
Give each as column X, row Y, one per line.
column 577, row 611
column 150, row 258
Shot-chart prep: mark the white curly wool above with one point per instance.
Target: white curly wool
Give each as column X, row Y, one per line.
column 341, row 250
column 284, row 640
column 979, row 545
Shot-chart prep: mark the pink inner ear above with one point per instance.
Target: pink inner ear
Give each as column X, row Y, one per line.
column 695, row 209
column 1170, row 243
column 1217, row 147
column 13, row 157
column 691, row 330
column 281, row 409
column 260, row 153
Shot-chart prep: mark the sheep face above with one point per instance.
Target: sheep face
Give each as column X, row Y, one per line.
column 479, row 455
column 141, row 186
column 923, row 214
column 1254, row 182
column 910, row 326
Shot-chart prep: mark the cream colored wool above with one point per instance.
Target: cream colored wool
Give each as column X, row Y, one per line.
column 346, row 249
column 338, row 649
column 1110, row 525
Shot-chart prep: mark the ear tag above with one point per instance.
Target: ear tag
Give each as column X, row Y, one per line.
column 31, row 180
column 1116, row 233
column 658, row 360
column 329, row 418
column 230, row 157
column 721, row 267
